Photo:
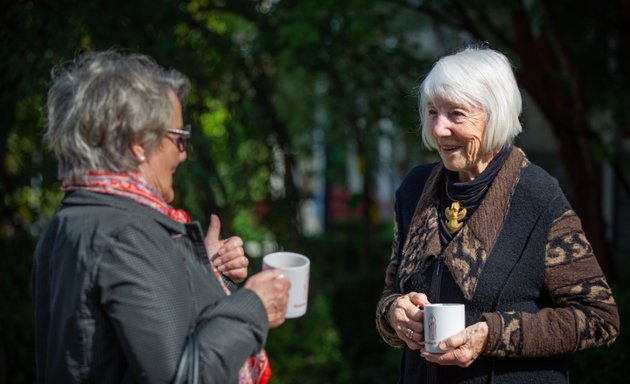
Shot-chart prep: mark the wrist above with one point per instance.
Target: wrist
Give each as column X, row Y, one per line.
column 390, row 312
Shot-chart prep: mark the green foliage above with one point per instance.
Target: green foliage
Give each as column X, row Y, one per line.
column 16, row 314
column 270, row 78
column 303, row 346
column 336, row 341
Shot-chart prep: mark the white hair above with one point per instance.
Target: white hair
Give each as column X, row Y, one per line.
column 477, row 77
column 103, row 103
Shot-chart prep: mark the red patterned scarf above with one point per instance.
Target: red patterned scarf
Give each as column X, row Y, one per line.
column 256, row 369
column 130, row 185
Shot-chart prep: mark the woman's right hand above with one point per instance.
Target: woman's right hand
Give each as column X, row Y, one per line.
column 273, row 291
column 406, row 317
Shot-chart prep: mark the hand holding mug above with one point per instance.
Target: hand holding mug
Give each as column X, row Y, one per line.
column 462, row 348
column 273, row 290
column 407, row 318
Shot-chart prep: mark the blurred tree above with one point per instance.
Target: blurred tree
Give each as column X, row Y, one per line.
column 267, row 76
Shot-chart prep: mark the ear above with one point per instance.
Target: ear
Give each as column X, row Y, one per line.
column 138, row 152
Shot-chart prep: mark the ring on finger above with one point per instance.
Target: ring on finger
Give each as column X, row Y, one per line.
column 409, row 333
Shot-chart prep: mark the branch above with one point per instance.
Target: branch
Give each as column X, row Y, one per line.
column 430, row 12
column 467, row 23
column 572, row 74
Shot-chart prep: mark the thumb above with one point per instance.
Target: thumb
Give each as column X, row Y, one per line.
column 214, row 229
column 418, row 299
column 454, row 341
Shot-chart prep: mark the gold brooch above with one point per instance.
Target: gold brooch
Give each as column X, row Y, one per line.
column 454, row 216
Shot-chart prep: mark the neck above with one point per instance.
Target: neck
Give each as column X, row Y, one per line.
column 480, row 166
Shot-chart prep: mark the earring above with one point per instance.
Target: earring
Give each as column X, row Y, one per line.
column 141, row 159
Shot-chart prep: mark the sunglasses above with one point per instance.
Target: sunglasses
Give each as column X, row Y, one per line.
column 183, row 137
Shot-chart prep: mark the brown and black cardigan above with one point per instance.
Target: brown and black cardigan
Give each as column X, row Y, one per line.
column 521, row 263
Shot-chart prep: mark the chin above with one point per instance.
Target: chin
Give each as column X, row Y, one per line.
column 451, row 166
column 168, row 195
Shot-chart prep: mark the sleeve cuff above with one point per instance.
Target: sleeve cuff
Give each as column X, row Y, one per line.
column 382, row 322
column 494, row 331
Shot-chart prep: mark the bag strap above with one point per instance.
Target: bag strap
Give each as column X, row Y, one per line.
column 193, row 371
column 188, row 367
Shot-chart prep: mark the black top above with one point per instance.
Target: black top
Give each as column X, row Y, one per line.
column 468, row 193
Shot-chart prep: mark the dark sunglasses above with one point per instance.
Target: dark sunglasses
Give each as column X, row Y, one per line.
column 183, row 137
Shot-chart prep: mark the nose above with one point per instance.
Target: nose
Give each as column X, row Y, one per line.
column 183, row 156
column 440, row 126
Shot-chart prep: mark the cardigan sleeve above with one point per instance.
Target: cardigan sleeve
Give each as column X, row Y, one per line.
column 584, row 314
column 389, row 295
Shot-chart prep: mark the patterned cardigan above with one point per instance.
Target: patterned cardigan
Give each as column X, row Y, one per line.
column 521, row 263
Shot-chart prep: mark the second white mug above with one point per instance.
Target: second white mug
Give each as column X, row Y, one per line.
column 296, row 269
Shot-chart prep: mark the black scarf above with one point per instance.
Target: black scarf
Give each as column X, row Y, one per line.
column 469, row 193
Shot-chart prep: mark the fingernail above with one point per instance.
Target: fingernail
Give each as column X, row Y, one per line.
column 281, row 276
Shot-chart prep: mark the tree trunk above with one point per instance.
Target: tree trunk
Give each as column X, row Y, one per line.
column 550, row 75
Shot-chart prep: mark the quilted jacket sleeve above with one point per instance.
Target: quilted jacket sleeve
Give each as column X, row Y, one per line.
column 148, row 291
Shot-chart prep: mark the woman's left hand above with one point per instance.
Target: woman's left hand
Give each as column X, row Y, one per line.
column 462, row 348
column 228, row 255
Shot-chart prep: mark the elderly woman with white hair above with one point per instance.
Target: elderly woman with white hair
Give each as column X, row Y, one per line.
column 125, row 286
column 487, row 228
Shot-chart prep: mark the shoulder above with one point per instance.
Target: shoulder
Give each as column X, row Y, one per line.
column 539, row 183
column 103, row 218
column 541, row 192
column 416, row 178
column 536, row 174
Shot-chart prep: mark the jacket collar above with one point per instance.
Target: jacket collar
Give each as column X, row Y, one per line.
column 467, row 253
column 86, row 198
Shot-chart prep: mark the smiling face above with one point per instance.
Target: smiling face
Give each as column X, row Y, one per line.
column 159, row 166
column 458, row 130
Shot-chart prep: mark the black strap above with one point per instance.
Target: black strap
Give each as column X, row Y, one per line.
column 194, row 232
column 188, row 367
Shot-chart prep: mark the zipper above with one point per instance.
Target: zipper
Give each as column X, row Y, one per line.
column 436, row 280
column 434, row 297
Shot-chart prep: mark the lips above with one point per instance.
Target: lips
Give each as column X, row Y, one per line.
column 449, row 148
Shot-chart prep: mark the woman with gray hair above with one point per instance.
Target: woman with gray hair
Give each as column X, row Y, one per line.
column 487, row 228
column 125, row 285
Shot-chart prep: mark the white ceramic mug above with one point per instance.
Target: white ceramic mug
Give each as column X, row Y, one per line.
column 442, row 321
column 295, row 268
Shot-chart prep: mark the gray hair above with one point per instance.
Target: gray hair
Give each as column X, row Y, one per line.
column 478, row 77
column 104, row 102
